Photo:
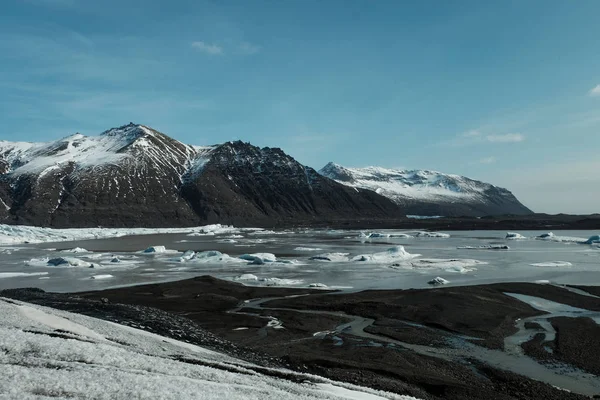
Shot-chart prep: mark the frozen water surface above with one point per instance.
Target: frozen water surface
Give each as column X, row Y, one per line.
column 286, row 260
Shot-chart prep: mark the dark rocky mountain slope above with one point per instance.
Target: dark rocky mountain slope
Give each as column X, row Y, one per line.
column 137, row 176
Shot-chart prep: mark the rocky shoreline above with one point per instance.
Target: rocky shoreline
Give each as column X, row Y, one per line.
column 405, row 341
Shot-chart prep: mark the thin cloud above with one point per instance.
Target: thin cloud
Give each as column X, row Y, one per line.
column 475, row 136
column 506, row 138
column 248, row 48
column 471, row 134
column 211, row 49
column 488, row 160
column 595, row 91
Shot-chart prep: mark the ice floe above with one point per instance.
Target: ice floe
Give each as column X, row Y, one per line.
column 20, row 274
column 102, row 276
column 13, row 234
column 75, row 250
column 485, row 247
column 268, row 281
column 552, row 264
column 461, row 266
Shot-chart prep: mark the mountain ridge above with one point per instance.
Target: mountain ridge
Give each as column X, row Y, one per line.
column 134, row 175
column 427, row 192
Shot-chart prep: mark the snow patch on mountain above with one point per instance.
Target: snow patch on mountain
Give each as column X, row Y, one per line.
column 419, row 187
column 414, row 184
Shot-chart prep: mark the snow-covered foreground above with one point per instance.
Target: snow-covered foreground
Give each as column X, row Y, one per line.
column 50, row 353
column 14, row 234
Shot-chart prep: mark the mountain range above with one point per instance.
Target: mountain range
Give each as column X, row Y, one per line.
column 136, row 176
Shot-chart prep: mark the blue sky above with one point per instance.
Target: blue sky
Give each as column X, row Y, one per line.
column 503, row 91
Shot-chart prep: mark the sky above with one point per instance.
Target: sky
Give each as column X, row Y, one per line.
column 503, row 91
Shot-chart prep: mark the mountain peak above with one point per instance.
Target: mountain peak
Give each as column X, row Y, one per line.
column 129, row 132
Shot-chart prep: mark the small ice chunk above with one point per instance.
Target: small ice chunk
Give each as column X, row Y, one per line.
column 75, row 250
column 281, row 282
column 155, row 249
column 275, row 323
column 259, row 258
column 485, row 247
column 187, row 255
column 392, row 254
column 553, row 264
column 318, row 285
column 102, row 276
column 69, row 262
column 333, row 257
column 438, row 281
column 593, row 239
column 246, row 277
column 427, row 234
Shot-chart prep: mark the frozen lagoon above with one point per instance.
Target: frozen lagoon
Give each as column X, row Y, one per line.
column 358, row 261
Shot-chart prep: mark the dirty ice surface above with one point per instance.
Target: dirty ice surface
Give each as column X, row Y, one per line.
column 95, row 359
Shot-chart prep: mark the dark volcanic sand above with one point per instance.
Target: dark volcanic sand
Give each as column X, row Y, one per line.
column 197, row 310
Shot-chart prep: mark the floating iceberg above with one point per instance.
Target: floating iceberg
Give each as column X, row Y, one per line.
column 593, row 239
column 333, row 257
column 318, row 285
column 69, row 262
column 246, row 277
column 514, row 236
column 259, row 258
column 158, row 249
column 390, row 255
column 449, row 265
column 75, row 250
column 438, row 281
column 554, row 238
column 426, row 234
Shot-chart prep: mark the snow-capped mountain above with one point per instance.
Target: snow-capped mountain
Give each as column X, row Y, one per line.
column 422, row 192
column 136, row 176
